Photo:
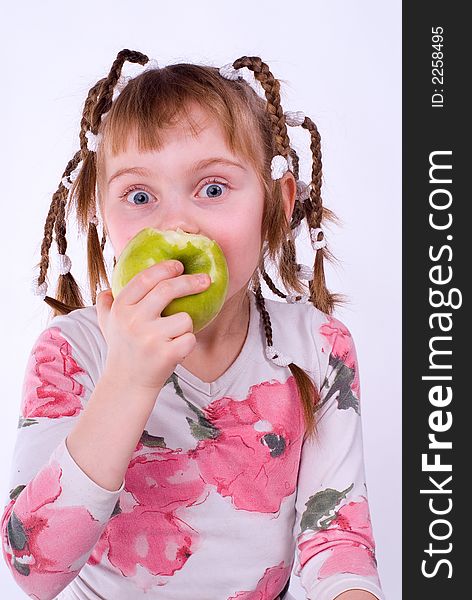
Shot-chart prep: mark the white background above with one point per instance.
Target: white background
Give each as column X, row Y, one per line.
column 341, row 65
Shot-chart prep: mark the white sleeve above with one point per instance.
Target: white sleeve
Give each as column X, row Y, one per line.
column 55, row 513
column 335, row 548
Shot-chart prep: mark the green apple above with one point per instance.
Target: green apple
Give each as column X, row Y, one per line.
column 197, row 253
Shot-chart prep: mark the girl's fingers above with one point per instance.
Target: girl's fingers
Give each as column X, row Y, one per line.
column 152, row 305
column 176, row 325
column 137, row 288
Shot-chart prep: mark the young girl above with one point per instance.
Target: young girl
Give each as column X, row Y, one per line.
column 152, row 462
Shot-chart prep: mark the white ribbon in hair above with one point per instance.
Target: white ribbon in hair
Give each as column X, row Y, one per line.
column 279, row 166
column 125, row 79
column 294, row 118
column 290, row 162
column 277, row 357
column 297, row 298
column 67, row 183
column 92, row 141
column 63, row 264
column 120, row 85
column 229, row 72
column 303, row 190
column 39, row 290
column 305, row 273
column 317, row 244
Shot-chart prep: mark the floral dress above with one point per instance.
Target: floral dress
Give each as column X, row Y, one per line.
column 224, row 498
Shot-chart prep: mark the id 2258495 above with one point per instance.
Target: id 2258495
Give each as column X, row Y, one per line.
column 437, row 62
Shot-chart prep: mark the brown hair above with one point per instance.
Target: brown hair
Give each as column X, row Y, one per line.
column 254, row 128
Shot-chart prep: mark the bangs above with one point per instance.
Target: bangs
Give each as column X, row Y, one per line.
column 159, row 100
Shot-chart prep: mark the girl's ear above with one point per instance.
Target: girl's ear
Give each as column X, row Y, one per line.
column 289, row 192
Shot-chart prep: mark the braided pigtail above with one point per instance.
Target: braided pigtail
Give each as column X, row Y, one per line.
column 84, row 193
column 68, row 292
column 79, row 184
column 315, row 212
column 289, row 269
column 67, row 288
column 283, row 237
column 85, row 190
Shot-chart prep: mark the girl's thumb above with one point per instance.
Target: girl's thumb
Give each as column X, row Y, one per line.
column 103, row 305
column 104, row 300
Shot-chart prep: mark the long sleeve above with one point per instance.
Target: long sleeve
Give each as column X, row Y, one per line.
column 335, row 548
column 55, row 513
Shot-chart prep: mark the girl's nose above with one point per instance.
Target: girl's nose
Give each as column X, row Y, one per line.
column 176, row 215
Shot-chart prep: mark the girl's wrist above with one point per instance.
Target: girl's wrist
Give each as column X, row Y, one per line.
column 121, row 380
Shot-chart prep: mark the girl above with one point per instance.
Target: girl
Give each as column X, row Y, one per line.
column 152, row 462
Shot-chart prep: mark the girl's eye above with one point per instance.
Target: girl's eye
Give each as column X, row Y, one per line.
column 213, row 188
column 138, row 196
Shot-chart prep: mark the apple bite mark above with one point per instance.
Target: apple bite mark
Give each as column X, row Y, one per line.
column 197, row 253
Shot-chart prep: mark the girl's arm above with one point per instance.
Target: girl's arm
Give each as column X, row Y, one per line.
column 335, row 548
column 57, row 510
column 110, row 427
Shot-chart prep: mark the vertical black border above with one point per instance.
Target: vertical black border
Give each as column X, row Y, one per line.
column 428, row 129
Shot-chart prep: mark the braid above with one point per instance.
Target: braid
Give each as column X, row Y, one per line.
column 271, row 86
column 47, row 239
column 270, row 284
column 260, row 302
column 67, row 288
column 108, row 84
column 295, row 163
column 299, row 211
column 311, row 208
column 272, row 92
column 314, row 202
column 85, row 121
column 98, row 102
column 315, row 212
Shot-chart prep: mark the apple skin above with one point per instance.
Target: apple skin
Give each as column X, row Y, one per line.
column 197, row 253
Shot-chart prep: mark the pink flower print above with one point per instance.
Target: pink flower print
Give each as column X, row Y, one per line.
column 254, row 458
column 164, row 480
column 158, row 541
column 348, row 539
column 33, row 540
column 271, row 584
column 340, row 338
column 355, row 559
column 148, row 533
column 343, row 363
column 49, row 388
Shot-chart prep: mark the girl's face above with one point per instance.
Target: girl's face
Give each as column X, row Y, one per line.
column 190, row 184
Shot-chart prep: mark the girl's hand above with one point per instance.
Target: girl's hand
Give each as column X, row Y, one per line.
column 143, row 347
